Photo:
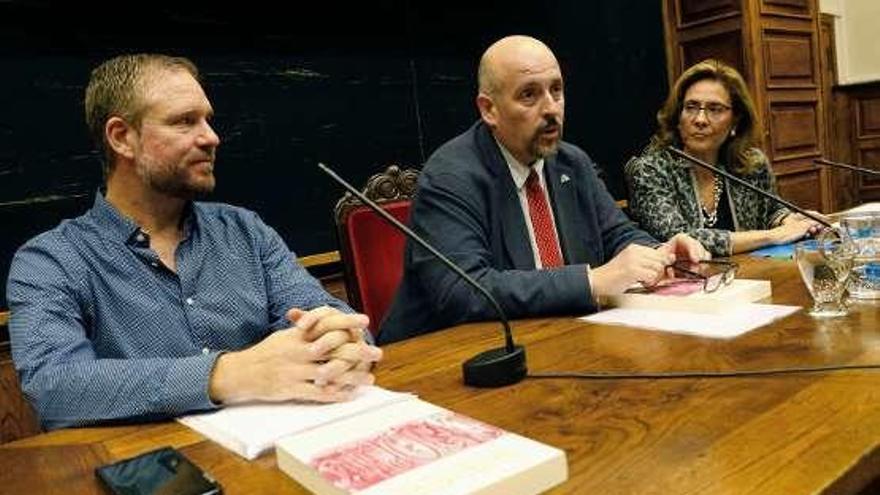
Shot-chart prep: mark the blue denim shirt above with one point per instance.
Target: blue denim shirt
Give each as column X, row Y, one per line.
column 101, row 330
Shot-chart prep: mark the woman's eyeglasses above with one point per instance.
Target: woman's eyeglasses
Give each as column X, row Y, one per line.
column 714, row 110
column 713, row 273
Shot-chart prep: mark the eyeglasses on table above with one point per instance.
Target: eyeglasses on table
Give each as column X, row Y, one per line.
column 714, row 274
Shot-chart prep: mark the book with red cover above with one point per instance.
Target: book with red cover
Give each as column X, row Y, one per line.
column 413, row 446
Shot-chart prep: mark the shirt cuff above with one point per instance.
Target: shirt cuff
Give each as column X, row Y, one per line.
column 593, row 297
column 185, row 388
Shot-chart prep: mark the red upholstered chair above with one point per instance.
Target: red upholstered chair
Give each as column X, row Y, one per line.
column 372, row 250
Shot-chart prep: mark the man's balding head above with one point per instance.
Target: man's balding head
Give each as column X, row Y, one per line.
column 505, row 56
column 520, row 96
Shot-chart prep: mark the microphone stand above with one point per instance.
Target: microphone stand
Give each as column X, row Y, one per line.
column 788, row 204
column 493, row 368
column 862, row 170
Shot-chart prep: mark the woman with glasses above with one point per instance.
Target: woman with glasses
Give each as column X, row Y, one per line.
column 709, row 114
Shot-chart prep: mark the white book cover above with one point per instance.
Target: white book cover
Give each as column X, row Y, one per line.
column 727, row 298
column 251, row 429
column 414, row 447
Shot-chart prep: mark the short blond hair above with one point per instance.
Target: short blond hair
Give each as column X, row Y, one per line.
column 116, row 89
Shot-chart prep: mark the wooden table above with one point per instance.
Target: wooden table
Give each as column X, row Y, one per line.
column 790, row 434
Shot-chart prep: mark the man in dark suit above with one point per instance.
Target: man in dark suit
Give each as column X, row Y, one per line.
column 519, row 210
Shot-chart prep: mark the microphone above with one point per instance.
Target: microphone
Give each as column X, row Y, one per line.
column 788, row 204
column 493, row 368
column 862, row 170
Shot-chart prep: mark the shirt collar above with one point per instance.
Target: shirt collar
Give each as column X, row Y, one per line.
column 120, row 228
column 112, row 223
column 518, row 171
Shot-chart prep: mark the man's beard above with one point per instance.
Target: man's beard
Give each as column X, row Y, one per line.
column 174, row 182
column 541, row 150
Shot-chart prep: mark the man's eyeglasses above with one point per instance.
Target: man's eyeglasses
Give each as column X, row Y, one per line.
column 713, row 273
column 714, row 110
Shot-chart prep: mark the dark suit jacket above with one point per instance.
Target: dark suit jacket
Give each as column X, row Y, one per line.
column 467, row 207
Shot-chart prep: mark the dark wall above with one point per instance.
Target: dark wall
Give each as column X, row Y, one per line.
column 355, row 86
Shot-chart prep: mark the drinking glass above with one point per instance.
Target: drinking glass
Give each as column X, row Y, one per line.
column 825, row 264
column 864, row 230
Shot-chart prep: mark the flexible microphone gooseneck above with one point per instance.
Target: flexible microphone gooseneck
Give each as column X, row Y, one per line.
column 862, row 170
column 493, row 368
column 788, row 204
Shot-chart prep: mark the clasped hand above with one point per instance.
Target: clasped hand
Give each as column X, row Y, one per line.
column 323, row 357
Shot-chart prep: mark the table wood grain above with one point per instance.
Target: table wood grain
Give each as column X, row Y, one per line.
column 782, row 434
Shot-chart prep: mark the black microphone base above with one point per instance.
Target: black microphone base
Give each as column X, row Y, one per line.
column 495, row 368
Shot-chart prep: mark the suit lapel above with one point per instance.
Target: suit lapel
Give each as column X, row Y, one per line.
column 510, row 214
column 513, row 227
column 563, row 194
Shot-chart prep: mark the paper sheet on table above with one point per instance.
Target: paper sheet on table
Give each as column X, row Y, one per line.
column 746, row 317
column 251, row 429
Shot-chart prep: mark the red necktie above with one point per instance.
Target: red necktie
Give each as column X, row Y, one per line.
column 542, row 224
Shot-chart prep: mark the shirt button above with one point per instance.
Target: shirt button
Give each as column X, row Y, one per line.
column 140, row 237
column 205, row 350
column 190, row 301
column 154, row 264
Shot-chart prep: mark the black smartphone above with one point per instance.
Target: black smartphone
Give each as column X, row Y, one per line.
column 162, row 471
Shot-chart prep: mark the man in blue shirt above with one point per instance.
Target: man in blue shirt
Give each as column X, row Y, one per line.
column 152, row 304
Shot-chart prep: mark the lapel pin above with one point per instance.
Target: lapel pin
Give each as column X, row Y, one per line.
column 564, row 178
